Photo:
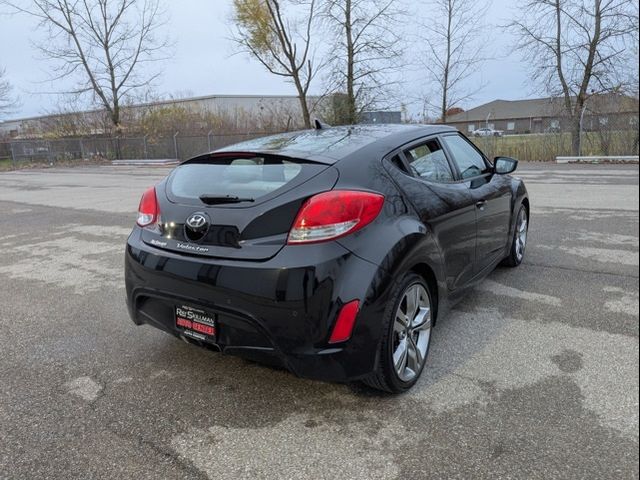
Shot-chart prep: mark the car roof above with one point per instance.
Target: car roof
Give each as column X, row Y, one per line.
column 330, row 144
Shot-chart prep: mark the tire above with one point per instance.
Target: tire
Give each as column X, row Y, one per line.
column 400, row 375
column 519, row 241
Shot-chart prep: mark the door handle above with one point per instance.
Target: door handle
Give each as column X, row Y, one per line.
column 481, row 204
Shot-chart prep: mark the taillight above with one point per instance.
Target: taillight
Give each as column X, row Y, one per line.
column 333, row 214
column 344, row 324
column 148, row 210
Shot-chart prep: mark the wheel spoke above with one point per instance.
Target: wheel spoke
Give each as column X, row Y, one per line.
column 398, row 328
column 416, row 301
column 412, row 302
column 414, row 360
column 400, row 356
column 401, row 319
column 422, row 320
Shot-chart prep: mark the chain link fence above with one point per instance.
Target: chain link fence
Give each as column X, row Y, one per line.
column 546, row 147
column 174, row 147
column 539, row 148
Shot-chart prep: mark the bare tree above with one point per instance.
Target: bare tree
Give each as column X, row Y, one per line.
column 106, row 45
column 281, row 43
column 633, row 47
column 366, row 51
column 455, row 40
column 7, row 100
column 578, row 48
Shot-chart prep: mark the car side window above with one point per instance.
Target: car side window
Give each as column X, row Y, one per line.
column 398, row 163
column 469, row 160
column 428, row 162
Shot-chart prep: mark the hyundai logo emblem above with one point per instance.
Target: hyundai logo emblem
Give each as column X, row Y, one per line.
column 198, row 221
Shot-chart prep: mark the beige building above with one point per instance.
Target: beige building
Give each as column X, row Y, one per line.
column 545, row 115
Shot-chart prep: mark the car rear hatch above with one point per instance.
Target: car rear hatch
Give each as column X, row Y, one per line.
column 234, row 205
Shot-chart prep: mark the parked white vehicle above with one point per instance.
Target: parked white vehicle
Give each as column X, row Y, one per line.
column 487, row 132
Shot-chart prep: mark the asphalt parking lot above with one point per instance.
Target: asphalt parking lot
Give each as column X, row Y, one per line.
column 533, row 375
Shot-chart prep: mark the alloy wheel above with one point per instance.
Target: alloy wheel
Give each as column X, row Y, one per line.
column 412, row 332
column 521, row 234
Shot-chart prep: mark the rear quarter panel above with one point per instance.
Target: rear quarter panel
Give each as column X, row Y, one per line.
column 397, row 241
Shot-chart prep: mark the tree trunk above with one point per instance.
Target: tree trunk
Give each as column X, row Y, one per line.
column 306, row 117
column 351, row 96
column 443, row 113
column 302, row 97
column 115, row 117
column 447, row 66
column 575, row 135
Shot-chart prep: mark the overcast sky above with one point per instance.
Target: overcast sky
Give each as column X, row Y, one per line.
column 203, row 63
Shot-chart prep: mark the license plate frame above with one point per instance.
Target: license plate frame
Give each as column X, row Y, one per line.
column 196, row 323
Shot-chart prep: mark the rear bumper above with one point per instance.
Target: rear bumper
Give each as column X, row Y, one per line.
column 278, row 311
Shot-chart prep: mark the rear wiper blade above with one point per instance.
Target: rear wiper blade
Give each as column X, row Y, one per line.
column 217, row 199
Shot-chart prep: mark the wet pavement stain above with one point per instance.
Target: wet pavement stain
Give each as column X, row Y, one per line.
column 500, row 441
column 568, row 361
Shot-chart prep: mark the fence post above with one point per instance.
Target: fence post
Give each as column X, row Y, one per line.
column 175, row 144
column 13, row 155
column 209, row 140
column 49, row 152
column 144, row 140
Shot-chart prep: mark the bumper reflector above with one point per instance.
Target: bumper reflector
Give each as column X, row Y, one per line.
column 346, row 320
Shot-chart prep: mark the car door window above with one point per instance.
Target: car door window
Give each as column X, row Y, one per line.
column 469, row 160
column 428, row 162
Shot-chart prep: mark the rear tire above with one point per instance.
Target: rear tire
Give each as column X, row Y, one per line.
column 407, row 326
column 519, row 241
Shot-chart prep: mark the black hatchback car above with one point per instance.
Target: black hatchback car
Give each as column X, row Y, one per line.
column 330, row 252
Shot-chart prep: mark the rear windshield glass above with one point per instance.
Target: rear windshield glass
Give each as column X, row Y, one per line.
column 335, row 142
column 241, row 177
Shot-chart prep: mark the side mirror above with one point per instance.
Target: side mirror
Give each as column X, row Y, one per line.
column 504, row 165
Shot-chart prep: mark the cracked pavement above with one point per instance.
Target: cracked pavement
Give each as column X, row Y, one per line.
column 533, row 375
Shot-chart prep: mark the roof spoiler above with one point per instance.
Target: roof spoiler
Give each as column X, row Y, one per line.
column 220, row 157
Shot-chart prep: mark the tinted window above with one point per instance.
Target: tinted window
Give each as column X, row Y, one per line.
column 429, row 162
column 468, row 159
column 240, row 177
column 398, row 163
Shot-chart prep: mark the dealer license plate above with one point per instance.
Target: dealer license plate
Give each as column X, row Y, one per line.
column 196, row 323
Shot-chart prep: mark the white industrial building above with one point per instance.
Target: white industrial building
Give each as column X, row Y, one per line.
column 238, row 107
